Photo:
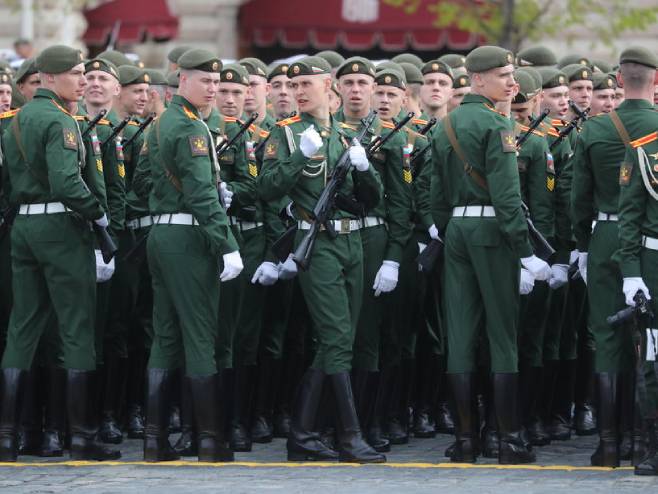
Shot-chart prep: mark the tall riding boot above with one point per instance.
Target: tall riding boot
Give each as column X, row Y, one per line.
column 52, row 443
column 187, row 442
column 489, row 437
column 465, row 449
column 360, row 391
column 303, row 442
column 156, row 434
column 351, row 446
column 244, row 385
column 607, row 452
column 325, row 421
column 373, row 410
column 444, row 421
column 626, row 397
column 530, row 394
column 426, row 397
column 135, row 394
column 292, row 371
column 29, row 432
column 398, row 413
column 640, row 437
column 560, row 428
column 548, row 393
column 213, row 446
column 83, row 429
column 269, row 371
column 175, row 399
column 115, row 384
column 513, row 449
column 649, row 465
column 11, row 388
column 584, row 420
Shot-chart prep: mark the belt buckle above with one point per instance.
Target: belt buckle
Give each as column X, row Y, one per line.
column 345, row 225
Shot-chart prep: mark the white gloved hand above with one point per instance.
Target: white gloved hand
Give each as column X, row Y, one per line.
column 227, row 194
column 582, row 265
column 573, row 256
column 539, row 269
column 288, row 269
column 527, row 282
column 232, row 266
column 289, row 212
column 266, row 274
column 358, row 156
column 434, row 232
column 387, row 278
column 103, row 271
column 559, row 276
column 310, row 141
column 632, row 286
column 102, row 221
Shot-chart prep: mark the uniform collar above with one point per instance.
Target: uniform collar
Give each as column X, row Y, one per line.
column 47, row 93
column 476, row 98
column 635, row 104
column 181, row 101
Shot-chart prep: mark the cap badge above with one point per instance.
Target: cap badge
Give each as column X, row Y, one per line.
column 215, row 65
column 229, row 76
column 387, row 79
column 435, row 66
column 96, row 65
column 295, row 69
column 355, row 67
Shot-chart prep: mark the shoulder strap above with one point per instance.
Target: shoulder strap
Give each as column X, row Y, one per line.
column 16, row 130
column 468, row 169
column 172, row 178
column 621, row 130
column 290, row 138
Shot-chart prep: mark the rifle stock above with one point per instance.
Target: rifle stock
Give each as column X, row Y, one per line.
column 105, row 243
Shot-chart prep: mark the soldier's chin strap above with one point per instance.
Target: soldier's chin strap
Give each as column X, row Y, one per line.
column 645, row 170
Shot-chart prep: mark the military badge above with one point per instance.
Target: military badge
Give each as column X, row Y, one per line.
column 625, row 173
column 99, row 165
column 215, row 65
column 355, row 67
column 122, row 171
column 95, row 144
column 198, row 145
column 508, row 140
column 119, row 149
column 284, row 69
column 387, row 79
column 550, row 164
column 70, row 139
column 550, row 183
column 229, row 76
column 295, row 69
column 96, row 65
column 270, row 149
column 147, row 78
column 251, row 150
column 585, row 74
column 435, row 66
column 407, row 149
column 253, row 170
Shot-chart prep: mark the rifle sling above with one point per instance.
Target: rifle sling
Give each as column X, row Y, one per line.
column 621, row 130
column 468, row 169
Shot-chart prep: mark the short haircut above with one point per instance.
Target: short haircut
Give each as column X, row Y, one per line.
column 637, row 76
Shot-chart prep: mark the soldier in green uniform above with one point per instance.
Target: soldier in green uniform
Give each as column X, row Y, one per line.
column 52, row 250
column 477, row 203
column 173, row 56
column 414, row 78
column 460, row 88
column 536, row 56
column 190, row 234
column 5, row 93
column 437, row 90
column 603, row 93
column 27, row 79
column 256, row 101
column 456, row 62
column 305, row 151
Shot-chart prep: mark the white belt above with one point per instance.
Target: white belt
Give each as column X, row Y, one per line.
column 474, row 211
column 649, row 242
column 175, row 219
column 607, row 217
column 244, row 225
column 345, row 225
column 142, row 222
column 43, row 208
column 369, row 221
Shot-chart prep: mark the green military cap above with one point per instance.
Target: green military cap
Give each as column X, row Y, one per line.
column 5, row 68
column 485, row 58
column 156, row 76
column 235, row 72
column 412, row 74
column 552, row 77
column 389, row 77
column 388, row 65
column 528, row 87
column 116, row 57
column 577, row 72
column 200, row 59
column 534, row 73
column 602, row 65
column 254, row 66
column 129, row 74
column 437, row 67
column 536, row 56
column 173, row 78
column 5, row 79
column 175, row 53
column 603, row 81
column 356, row 65
column 573, row 59
column 334, row 59
column 58, row 58
column 461, row 81
column 309, row 66
column 454, row 60
column 639, row 54
column 27, row 68
column 409, row 58
column 278, row 69
column 102, row 65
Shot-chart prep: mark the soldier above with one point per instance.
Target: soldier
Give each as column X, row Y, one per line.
column 333, row 58
column 414, row 78
column 51, row 244
column 460, row 88
column 256, row 101
column 580, row 88
column 437, row 90
column 603, row 94
column 27, row 79
column 157, row 92
column 536, row 56
column 173, row 56
column 279, row 92
column 455, row 62
column 5, row 93
column 191, row 232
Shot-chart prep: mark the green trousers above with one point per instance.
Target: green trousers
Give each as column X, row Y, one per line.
column 185, row 279
column 276, row 317
column 54, row 278
column 481, row 289
column 332, row 287
column 532, row 325
column 5, row 287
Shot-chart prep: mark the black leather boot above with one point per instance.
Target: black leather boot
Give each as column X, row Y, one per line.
column 649, row 464
column 244, row 385
column 11, row 389
column 607, row 452
column 135, row 390
column 398, row 412
column 375, row 406
column 268, row 375
column 489, row 438
column 292, row 372
column 464, row 449
column 303, row 442
column 546, row 397
column 560, row 426
column 212, row 443
column 351, row 446
column 584, row 420
column 175, row 398
column 530, row 379
column 187, row 442
column 113, row 397
column 29, row 432
column 513, row 449
column 156, row 434
column 83, row 429
column 443, row 416
column 428, row 383
column 52, row 442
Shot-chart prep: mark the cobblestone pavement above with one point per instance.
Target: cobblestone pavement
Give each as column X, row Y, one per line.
column 416, row 467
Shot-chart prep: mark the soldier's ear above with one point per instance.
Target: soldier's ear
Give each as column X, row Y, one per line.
column 327, row 84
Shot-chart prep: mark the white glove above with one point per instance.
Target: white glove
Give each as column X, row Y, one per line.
column 227, row 195
column 102, row 221
column 527, row 282
column 387, row 278
column 582, row 265
column 266, row 274
column 573, row 256
column 310, row 141
column 434, row 232
column 232, row 266
column 559, row 276
column 287, row 269
column 358, row 156
column 539, row 269
column 632, row 286
column 103, row 271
